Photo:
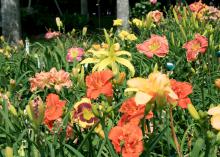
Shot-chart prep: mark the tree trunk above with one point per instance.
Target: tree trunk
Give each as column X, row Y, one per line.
column 11, row 27
column 123, row 12
column 84, row 7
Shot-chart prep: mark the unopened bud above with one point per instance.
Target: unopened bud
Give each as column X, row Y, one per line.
column 193, row 112
column 8, row 152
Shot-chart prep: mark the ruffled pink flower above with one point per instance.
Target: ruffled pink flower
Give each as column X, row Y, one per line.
column 50, row 34
column 53, row 78
column 195, row 46
column 74, row 52
column 156, row 45
column 197, row 6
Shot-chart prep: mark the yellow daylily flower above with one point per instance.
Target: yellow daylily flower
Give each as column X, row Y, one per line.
column 155, row 88
column 215, row 120
column 117, row 22
column 109, row 56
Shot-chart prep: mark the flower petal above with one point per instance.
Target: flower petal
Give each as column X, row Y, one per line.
column 142, row 98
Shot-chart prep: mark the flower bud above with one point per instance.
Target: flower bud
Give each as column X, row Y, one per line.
column 210, row 135
column 35, row 111
column 193, row 112
column 8, row 151
column 217, row 83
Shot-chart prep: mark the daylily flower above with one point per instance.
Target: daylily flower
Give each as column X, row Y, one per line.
column 127, row 139
column 137, row 22
column 215, row 120
column 54, row 109
column 125, row 35
column 82, row 114
column 133, row 112
column 156, row 45
column 195, row 46
column 197, row 6
column 99, row 83
column 117, row 22
column 153, row 1
column 155, row 88
column 74, row 53
column 182, row 90
column 109, row 56
column 50, row 34
column 53, row 78
column 156, row 15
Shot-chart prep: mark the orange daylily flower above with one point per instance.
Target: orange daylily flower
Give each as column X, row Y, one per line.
column 127, row 139
column 217, row 83
column 133, row 112
column 195, row 46
column 155, row 88
column 54, row 109
column 156, row 45
column 98, row 83
column 182, row 90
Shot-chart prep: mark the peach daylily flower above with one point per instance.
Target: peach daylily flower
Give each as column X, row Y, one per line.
column 197, row 6
column 182, row 90
column 195, row 46
column 155, row 88
column 53, row 78
column 215, row 120
column 98, row 83
column 50, row 34
column 156, row 45
column 217, row 83
column 156, row 15
column 127, row 139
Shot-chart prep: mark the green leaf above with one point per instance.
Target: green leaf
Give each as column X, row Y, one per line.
column 76, row 152
column 198, row 146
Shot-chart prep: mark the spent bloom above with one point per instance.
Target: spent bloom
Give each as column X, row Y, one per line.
column 54, row 109
column 182, row 90
column 155, row 88
column 53, row 78
column 127, row 140
column 156, row 45
column 99, row 83
column 215, row 120
column 198, row 45
column 74, row 53
column 117, row 22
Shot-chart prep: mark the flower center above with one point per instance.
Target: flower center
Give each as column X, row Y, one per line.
column 196, row 47
column 154, row 46
column 74, row 53
column 87, row 114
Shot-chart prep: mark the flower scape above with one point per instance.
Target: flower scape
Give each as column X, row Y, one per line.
column 150, row 90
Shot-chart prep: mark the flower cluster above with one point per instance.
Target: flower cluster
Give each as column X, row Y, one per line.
column 125, row 35
column 53, row 78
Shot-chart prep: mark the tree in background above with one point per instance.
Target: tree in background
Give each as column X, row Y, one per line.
column 123, row 12
column 11, row 28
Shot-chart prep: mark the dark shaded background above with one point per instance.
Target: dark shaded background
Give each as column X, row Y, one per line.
column 41, row 16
